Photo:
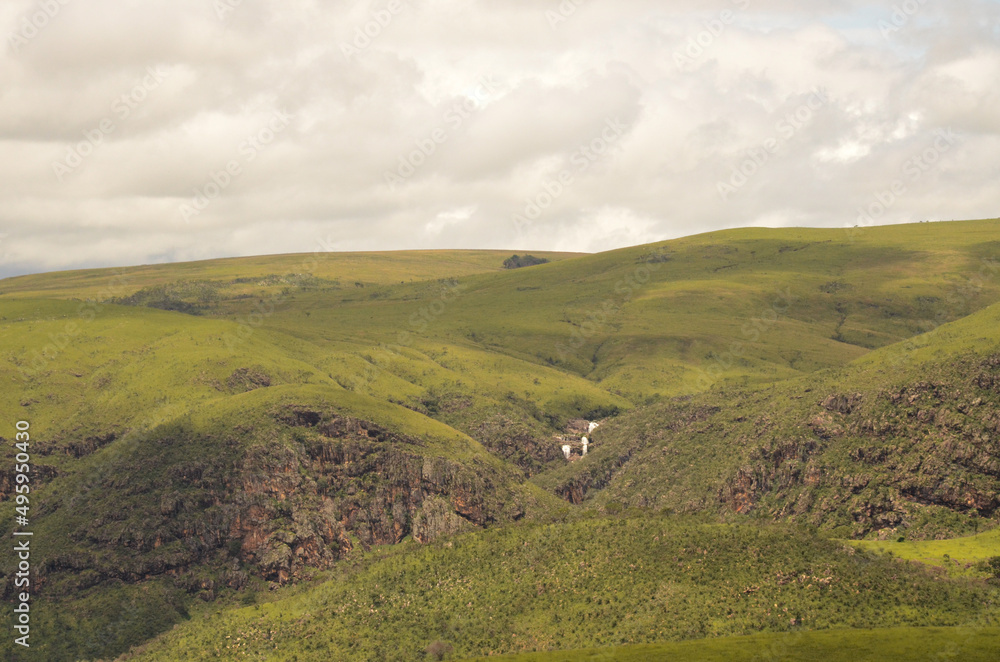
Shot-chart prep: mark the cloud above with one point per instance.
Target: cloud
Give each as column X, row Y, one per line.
column 435, row 123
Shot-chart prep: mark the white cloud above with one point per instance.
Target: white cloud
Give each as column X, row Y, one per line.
column 507, row 100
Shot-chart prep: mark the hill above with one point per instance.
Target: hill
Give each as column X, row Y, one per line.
column 899, row 442
column 849, row 645
column 606, row 582
column 263, row 275
column 210, row 434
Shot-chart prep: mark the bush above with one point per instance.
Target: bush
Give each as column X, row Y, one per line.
column 517, row 261
column 438, row 650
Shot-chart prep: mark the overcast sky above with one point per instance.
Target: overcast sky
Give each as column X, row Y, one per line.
column 137, row 131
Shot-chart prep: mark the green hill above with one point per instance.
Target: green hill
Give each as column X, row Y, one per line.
column 606, row 582
column 212, row 440
column 898, row 644
column 900, row 442
column 267, row 274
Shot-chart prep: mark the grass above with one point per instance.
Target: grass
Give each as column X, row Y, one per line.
column 914, row 455
column 152, row 515
column 956, row 555
column 640, row 323
column 586, row 583
column 264, row 274
column 152, row 392
column 898, row 644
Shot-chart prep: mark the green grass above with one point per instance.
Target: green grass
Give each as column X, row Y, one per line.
column 593, row 582
column 98, row 620
column 957, row 555
column 266, row 273
column 155, row 394
column 640, row 323
column 220, row 498
column 914, row 456
column 897, row 644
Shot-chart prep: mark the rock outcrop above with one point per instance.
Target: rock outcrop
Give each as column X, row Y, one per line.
column 299, row 495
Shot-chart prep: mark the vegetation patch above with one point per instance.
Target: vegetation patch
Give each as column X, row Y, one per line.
column 518, row 261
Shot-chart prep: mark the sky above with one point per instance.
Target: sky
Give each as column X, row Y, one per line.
column 135, row 132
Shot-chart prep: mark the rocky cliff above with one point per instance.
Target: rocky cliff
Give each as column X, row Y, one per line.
column 273, row 499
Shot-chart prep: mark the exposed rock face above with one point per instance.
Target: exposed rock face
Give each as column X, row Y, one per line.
column 597, row 476
column 770, row 467
column 517, row 443
column 248, row 379
column 604, row 461
column 921, row 454
column 928, row 443
column 322, row 484
column 75, row 446
column 40, row 474
column 842, row 404
column 355, row 479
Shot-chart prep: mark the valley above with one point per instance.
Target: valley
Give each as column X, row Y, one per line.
column 361, row 455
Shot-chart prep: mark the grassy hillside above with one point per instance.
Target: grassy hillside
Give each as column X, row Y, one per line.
column 604, row 582
column 898, row 644
column 675, row 317
column 958, row 556
column 642, row 323
column 207, row 433
column 264, row 486
column 266, row 274
column 96, row 377
column 900, row 442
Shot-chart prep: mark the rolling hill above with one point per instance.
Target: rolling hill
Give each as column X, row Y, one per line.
column 261, row 444
column 900, row 441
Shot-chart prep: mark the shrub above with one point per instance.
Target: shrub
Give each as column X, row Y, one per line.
column 438, row 650
column 517, row 261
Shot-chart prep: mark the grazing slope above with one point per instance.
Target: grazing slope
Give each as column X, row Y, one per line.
column 233, row 277
column 897, row 644
column 906, row 438
column 589, row 583
column 204, row 433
